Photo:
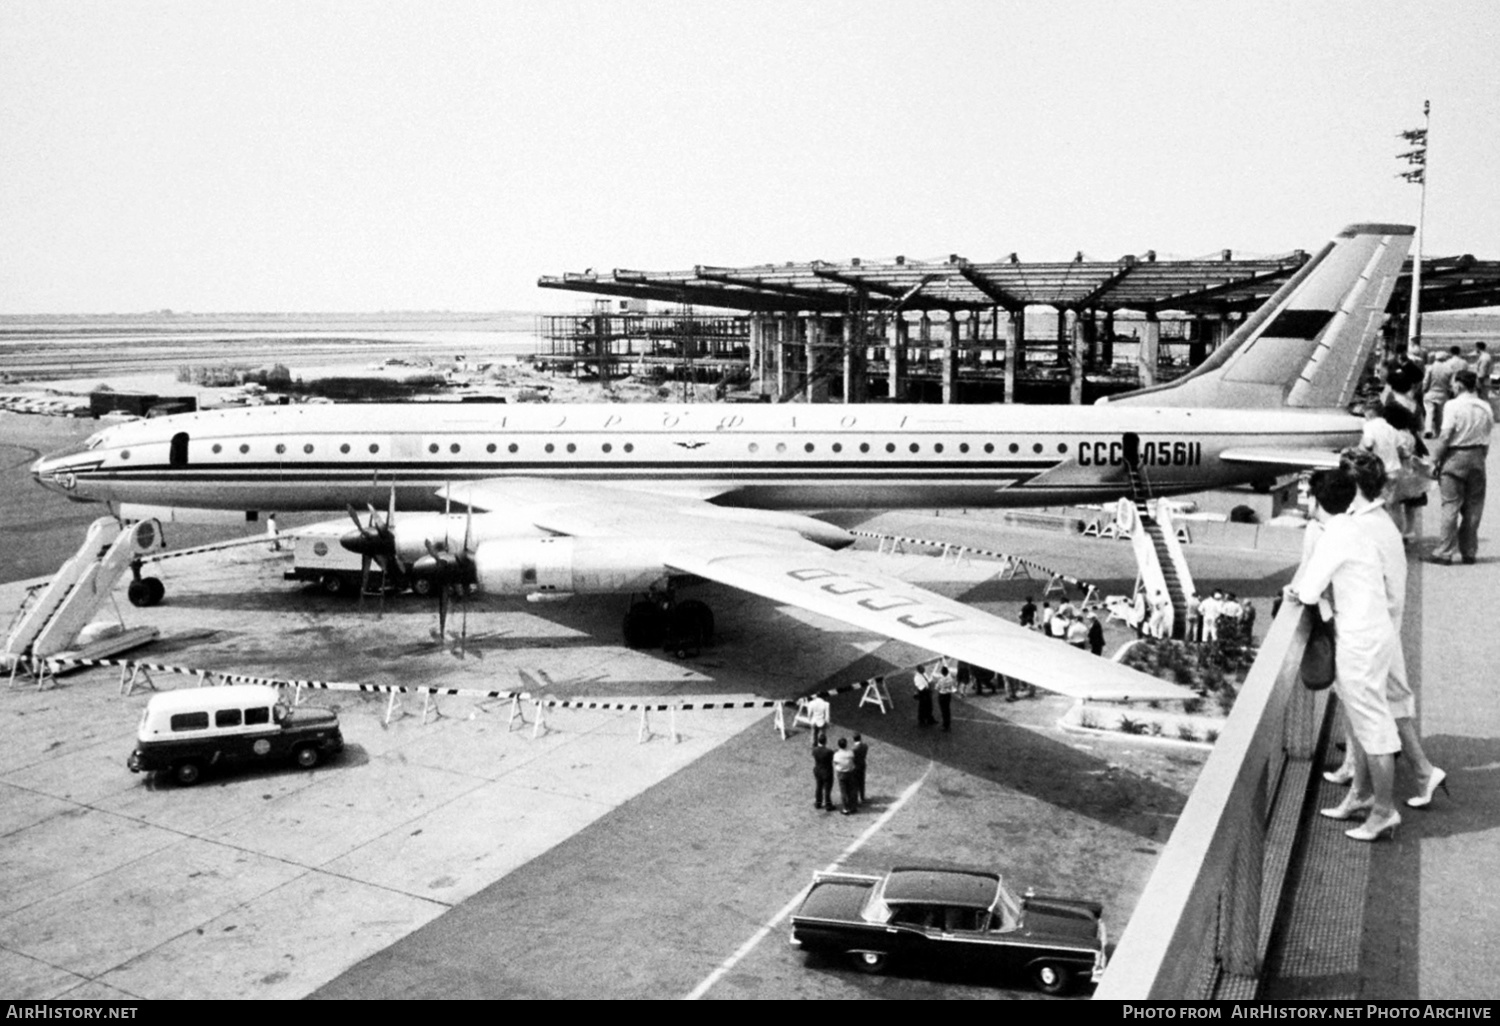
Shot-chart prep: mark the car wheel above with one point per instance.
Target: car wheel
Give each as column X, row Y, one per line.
column 307, row 756
column 332, row 583
column 187, row 773
column 870, row 961
column 421, row 586
column 1051, row 978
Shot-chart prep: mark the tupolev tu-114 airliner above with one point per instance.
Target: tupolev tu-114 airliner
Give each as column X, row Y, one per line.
column 620, row 499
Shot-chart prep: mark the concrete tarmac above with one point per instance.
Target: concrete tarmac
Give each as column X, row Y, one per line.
column 464, row 856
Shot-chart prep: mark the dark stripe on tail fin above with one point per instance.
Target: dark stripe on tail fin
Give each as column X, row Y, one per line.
column 1303, row 324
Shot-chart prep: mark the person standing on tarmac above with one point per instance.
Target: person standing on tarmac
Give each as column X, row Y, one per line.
column 861, row 760
column 822, row 775
column 924, row 698
column 843, row 769
column 818, row 715
column 947, row 685
column 1096, row 635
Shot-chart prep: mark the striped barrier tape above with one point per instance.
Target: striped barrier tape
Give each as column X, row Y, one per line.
column 260, row 539
column 1004, row 557
column 875, row 692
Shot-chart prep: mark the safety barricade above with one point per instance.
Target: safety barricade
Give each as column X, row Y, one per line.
column 136, row 675
column 1011, row 566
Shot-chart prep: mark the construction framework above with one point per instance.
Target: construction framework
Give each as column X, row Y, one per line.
column 951, row 330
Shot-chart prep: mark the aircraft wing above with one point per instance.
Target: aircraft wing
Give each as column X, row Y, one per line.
column 1288, row 459
column 822, row 582
column 778, row 556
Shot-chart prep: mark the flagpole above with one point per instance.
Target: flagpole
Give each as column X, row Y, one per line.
column 1414, row 315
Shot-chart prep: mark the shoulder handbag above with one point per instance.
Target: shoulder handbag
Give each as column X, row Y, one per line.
column 1318, row 664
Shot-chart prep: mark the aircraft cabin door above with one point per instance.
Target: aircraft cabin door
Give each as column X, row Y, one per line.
column 177, row 456
column 1132, row 450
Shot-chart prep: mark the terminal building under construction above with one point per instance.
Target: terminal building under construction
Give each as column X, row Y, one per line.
column 951, row 331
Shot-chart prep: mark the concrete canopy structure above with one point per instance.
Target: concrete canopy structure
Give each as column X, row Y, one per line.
column 1139, row 283
column 860, row 330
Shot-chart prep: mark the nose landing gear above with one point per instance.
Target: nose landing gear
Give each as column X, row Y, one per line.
column 144, row 591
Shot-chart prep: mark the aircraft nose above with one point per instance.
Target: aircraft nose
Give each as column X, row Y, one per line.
column 42, row 472
column 54, row 473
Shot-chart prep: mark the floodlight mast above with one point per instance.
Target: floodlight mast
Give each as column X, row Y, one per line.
column 1418, row 174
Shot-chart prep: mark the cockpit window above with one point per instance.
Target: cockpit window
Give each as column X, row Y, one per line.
column 94, row 441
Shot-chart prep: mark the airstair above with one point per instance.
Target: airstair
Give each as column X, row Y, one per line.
column 1158, row 550
column 55, row 619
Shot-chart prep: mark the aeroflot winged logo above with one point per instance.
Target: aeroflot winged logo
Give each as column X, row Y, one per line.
column 875, row 598
column 692, row 445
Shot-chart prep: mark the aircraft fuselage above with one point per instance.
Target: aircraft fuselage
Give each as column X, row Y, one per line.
column 770, row 457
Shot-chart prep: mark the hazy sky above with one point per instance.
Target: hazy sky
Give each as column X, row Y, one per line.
column 318, row 156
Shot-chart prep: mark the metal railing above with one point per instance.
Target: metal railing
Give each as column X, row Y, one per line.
column 1203, row 923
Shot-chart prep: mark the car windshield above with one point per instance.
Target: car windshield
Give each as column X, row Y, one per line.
column 1006, row 909
column 281, row 712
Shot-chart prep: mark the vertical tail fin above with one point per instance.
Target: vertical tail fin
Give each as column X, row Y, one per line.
column 1306, row 346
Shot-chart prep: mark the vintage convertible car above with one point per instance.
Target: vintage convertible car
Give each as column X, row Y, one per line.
column 954, row 918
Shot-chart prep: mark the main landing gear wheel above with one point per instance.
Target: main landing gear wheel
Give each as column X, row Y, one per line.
column 145, row 591
column 691, row 627
column 695, row 616
column 1051, row 978
column 643, row 626
column 870, row 961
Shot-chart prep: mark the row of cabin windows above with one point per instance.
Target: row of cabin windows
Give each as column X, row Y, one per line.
column 222, row 718
column 179, row 448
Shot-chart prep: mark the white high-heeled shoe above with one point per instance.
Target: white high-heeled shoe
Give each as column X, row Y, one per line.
column 1374, row 827
column 1350, row 807
column 1342, row 775
column 1436, row 780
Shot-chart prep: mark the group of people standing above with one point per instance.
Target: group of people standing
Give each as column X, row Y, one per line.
column 1447, row 403
column 1219, row 614
column 1079, row 628
column 1354, row 571
column 844, row 765
column 941, row 680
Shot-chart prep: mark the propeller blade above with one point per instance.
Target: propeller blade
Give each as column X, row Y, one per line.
column 442, row 611
column 355, row 517
column 364, row 578
column 385, row 577
column 463, row 634
column 390, row 527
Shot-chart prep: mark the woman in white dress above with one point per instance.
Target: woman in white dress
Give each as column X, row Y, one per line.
column 1344, row 561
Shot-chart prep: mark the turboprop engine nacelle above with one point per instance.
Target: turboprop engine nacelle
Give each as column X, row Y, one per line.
column 542, row 566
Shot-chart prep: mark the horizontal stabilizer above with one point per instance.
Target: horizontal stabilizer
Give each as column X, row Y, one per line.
column 1286, row 458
